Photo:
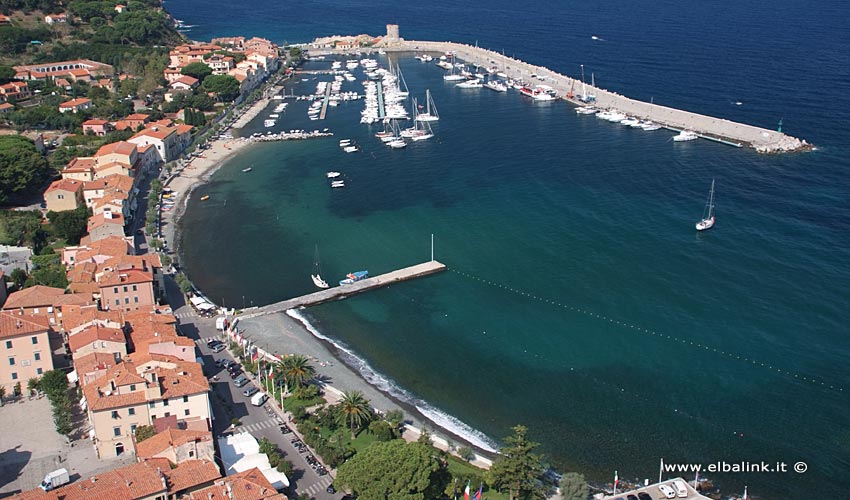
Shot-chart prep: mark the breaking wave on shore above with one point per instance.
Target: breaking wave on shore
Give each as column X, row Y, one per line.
column 436, row 416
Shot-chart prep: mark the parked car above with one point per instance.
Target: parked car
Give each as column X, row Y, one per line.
column 259, row 399
column 218, row 348
column 644, row 496
column 667, row 490
column 250, row 391
column 240, row 381
column 681, row 488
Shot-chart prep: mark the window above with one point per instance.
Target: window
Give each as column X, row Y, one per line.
column 164, row 402
column 39, row 371
column 133, row 431
column 117, row 302
column 185, row 399
column 115, row 290
column 126, row 300
column 135, row 288
column 136, row 300
column 125, row 289
column 131, row 411
column 191, row 453
column 116, row 431
column 11, row 361
column 115, row 415
column 35, row 340
column 167, row 414
column 132, row 387
column 151, row 404
column 186, row 412
column 8, row 344
column 60, row 196
column 37, row 356
column 14, row 376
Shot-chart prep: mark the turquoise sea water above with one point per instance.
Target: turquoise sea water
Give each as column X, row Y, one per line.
column 580, row 301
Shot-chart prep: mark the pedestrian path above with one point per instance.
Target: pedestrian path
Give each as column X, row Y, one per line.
column 186, row 314
column 314, row 488
column 265, row 424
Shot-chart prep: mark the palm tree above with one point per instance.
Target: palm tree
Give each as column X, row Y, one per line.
column 297, row 370
column 354, row 409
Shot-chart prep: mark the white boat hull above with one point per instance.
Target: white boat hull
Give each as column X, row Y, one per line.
column 705, row 224
column 319, row 282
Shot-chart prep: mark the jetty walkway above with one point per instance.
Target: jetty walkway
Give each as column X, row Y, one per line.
column 722, row 130
column 343, row 291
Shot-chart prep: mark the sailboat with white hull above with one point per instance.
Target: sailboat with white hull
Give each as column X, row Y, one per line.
column 707, row 221
column 430, row 114
column 317, row 272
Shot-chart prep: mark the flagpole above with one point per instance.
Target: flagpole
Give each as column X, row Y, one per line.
column 616, row 479
column 660, row 469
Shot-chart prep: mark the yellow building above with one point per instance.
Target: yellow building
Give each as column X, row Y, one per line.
column 25, row 348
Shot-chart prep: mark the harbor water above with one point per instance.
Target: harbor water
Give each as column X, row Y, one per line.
column 579, row 300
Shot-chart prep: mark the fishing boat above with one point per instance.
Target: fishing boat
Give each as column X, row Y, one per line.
column 430, row 114
column 333, row 175
column 685, row 135
column 205, row 197
column 707, row 221
column 355, row 276
column 586, row 110
column 268, row 123
column 317, row 271
column 338, row 184
column 247, row 169
column 351, row 149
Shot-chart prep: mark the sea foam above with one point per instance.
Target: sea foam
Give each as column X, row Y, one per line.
column 438, row 417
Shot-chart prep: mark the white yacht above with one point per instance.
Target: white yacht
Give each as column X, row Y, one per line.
column 685, row 135
column 586, row 110
column 496, row 85
column 430, row 114
column 470, row 84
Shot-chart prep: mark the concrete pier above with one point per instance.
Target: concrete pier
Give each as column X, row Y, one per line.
column 343, row 291
column 718, row 129
column 325, row 102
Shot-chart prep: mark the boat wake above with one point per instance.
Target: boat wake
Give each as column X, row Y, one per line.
column 385, row 385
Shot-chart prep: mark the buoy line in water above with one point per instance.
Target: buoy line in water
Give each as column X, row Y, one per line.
column 647, row 331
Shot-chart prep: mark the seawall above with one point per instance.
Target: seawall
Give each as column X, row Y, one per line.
column 738, row 134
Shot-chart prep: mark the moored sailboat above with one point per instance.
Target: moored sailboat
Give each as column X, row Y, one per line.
column 316, row 275
column 430, row 114
column 707, row 221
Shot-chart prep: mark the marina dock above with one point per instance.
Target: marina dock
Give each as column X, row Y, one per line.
column 717, row 129
column 325, row 102
column 343, row 291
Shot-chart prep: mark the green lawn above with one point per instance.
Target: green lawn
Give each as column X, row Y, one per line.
column 463, row 471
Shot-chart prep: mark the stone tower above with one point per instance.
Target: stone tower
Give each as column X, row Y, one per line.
column 392, row 34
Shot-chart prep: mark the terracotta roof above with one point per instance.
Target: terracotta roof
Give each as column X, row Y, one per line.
column 135, row 481
column 34, row 296
column 91, row 363
column 119, row 181
column 79, row 72
column 80, row 164
column 15, row 324
column 101, row 219
column 81, row 279
column 6, row 105
column 190, row 474
column 247, row 485
column 69, row 185
column 144, row 262
column 169, row 438
column 74, row 317
column 156, row 132
column 95, row 333
column 187, row 379
column 111, row 164
column 124, row 277
column 76, row 102
column 186, row 80
column 72, row 299
column 94, row 122
column 137, row 116
column 183, row 129
column 120, row 147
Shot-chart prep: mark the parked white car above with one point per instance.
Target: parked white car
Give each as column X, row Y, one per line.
column 667, row 490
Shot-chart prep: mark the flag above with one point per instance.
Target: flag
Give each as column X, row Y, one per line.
column 271, row 370
column 466, row 491
column 477, row 495
column 616, row 480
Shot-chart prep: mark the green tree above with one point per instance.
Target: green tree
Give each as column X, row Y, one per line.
column 285, row 467
column 16, row 390
column 54, row 383
column 354, row 410
column 394, row 469
column 183, row 282
column 197, row 70
column 424, row 437
column 144, row 432
column 7, row 74
column 19, row 277
column 466, row 453
column 22, row 169
column 381, row 430
column 33, row 385
column 296, row 370
column 518, row 468
column 70, row 225
column 225, row 87
column 47, row 270
column 395, row 418
column 574, row 487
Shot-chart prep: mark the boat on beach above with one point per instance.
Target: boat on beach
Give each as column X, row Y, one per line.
column 355, row 276
column 707, row 221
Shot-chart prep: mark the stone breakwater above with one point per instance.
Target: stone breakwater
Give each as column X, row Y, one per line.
column 713, row 128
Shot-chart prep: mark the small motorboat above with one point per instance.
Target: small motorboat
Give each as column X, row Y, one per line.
column 247, row 169
column 333, row 175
